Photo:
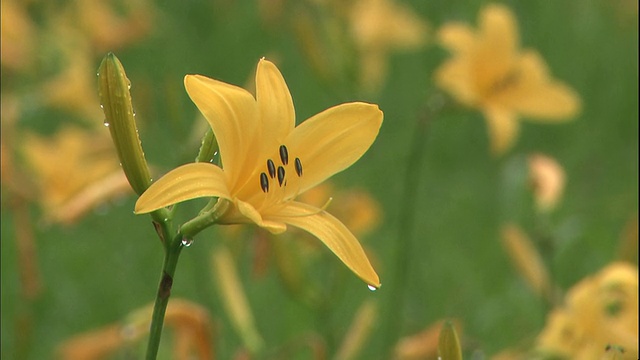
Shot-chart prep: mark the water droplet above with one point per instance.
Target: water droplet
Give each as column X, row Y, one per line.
column 106, row 122
column 101, row 106
column 372, row 288
column 187, row 242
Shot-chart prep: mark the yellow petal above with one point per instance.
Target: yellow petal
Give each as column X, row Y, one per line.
column 234, row 298
column 333, row 234
column 526, row 259
column 499, row 30
column 183, row 183
column 277, row 114
column 248, row 211
column 503, row 129
column 332, row 141
column 537, row 95
column 457, row 37
column 455, row 77
column 233, row 115
column 497, row 48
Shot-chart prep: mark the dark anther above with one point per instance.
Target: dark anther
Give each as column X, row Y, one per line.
column 280, row 175
column 272, row 168
column 264, row 182
column 284, row 155
column 298, row 166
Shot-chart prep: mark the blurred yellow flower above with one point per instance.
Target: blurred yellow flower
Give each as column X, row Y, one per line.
column 75, row 170
column 548, row 179
column 234, row 299
column 190, row 322
column 355, row 208
column 490, row 72
column 379, row 26
column 267, row 161
column 599, row 312
column 526, row 259
column 112, row 24
column 17, row 37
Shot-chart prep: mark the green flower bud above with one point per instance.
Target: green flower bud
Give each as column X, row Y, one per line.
column 448, row 343
column 208, row 147
column 115, row 101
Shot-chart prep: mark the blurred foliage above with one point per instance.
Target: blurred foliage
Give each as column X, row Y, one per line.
column 67, row 276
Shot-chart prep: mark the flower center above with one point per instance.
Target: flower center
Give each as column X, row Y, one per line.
column 278, row 174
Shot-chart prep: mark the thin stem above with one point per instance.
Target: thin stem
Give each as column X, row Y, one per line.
column 164, row 292
column 407, row 220
column 204, row 220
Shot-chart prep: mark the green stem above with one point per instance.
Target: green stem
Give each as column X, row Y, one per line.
column 164, row 292
column 407, row 220
column 204, row 220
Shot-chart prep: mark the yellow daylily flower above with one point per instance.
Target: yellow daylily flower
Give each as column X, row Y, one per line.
column 267, row 161
column 490, row 72
column 599, row 312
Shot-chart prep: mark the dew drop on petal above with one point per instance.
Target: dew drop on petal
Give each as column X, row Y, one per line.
column 106, row 122
column 187, row 242
column 372, row 288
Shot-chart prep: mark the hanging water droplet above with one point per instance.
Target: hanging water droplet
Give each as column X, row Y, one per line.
column 372, row 288
column 106, row 122
column 187, row 242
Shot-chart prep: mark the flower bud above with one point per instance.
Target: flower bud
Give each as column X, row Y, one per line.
column 208, row 147
column 115, row 101
column 448, row 344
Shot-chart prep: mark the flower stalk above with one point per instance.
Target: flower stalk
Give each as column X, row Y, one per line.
column 172, row 254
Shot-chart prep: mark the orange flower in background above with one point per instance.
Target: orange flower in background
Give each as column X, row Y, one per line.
column 190, row 323
column 548, row 179
column 490, row 72
column 599, row 312
column 75, row 170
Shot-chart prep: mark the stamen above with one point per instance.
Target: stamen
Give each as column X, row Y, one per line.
column 298, row 166
column 280, row 175
column 264, row 182
column 272, row 168
column 321, row 209
column 284, row 155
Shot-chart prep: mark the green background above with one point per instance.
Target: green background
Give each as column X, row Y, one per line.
column 98, row 270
